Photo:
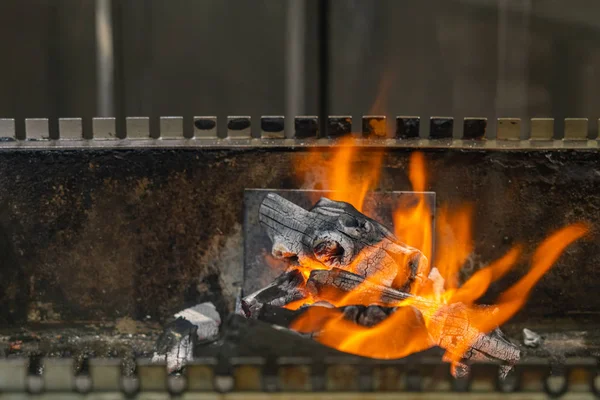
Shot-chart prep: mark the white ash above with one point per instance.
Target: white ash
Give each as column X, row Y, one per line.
column 531, row 339
column 206, row 317
column 176, row 345
column 177, row 356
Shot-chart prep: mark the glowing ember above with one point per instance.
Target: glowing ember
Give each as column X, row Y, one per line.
column 440, row 312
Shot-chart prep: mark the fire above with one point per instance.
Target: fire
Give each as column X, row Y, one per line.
column 413, row 225
column 440, row 303
column 336, row 174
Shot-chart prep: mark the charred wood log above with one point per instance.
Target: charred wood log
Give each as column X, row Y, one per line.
column 336, row 283
column 286, row 288
column 449, row 323
column 366, row 315
column 352, row 248
column 336, row 235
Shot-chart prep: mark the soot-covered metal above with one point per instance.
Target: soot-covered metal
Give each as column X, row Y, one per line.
column 104, row 234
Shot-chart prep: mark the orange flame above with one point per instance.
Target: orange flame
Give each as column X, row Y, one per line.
column 453, row 231
column 412, row 225
column 335, row 174
column 442, row 307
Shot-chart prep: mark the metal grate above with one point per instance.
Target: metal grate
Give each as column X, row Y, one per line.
column 376, row 130
column 252, row 374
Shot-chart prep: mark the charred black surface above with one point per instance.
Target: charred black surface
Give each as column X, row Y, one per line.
column 441, row 128
column 104, row 234
column 306, row 127
column 474, row 128
column 250, row 337
column 278, row 315
column 238, row 124
column 204, row 124
column 283, row 290
column 339, row 126
column 407, row 127
column 272, row 124
column 14, row 291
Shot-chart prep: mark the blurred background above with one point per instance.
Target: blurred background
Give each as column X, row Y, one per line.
column 479, row 58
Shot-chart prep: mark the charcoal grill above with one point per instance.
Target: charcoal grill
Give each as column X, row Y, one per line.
column 105, row 234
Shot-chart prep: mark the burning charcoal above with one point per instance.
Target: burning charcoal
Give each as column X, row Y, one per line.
column 176, row 344
column 285, row 289
column 338, row 282
column 372, row 315
column 206, row 319
column 450, row 322
column 531, row 339
column 351, row 313
column 366, row 315
column 336, row 235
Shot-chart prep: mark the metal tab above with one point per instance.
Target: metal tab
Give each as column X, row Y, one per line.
column 338, row 126
column 171, row 127
column 425, row 373
column 306, row 127
column 13, row 374
column 58, row 374
column 247, row 373
column 200, row 374
column 294, row 374
column 70, row 129
column 576, row 129
column 509, row 129
column 374, row 126
column 104, row 128
column 474, row 128
column 7, row 130
column 542, row 129
column 105, row 373
column 37, row 129
column 408, row 127
column 152, row 376
column 138, row 127
column 441, row 128
column 389, row 378
column 205, row 127
column 239, row 127
column 342, row 378
column 272, row 127
column 580, row 378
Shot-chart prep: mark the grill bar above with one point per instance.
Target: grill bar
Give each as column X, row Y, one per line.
column 239, row 133
column 336, row 374
column 407, row 130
